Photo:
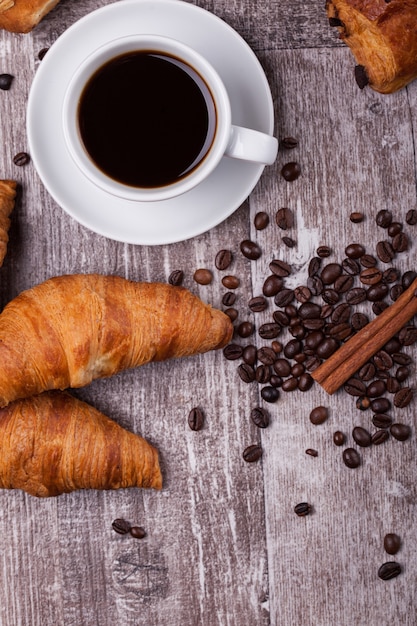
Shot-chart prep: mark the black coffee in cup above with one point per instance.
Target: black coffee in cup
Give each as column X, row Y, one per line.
column 147, row 119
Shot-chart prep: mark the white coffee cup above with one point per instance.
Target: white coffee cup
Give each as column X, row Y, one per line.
column 228, row 140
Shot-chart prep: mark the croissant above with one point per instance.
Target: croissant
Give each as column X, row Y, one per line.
column 382, row 35
column 7, row 200
column 21, row 16
column 53, row 444
column 73, row 329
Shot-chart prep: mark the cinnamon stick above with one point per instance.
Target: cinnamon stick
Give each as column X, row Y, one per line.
column 361, row 347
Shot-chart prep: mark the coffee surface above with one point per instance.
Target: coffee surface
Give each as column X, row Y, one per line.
column 146, row 119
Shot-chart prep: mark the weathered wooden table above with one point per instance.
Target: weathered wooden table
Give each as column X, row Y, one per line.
column 223, row 543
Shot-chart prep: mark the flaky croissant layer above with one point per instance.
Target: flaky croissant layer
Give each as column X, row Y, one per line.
column 53, row 443
column 73, row 329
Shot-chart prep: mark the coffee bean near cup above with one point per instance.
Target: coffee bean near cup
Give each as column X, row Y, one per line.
column 147, row 118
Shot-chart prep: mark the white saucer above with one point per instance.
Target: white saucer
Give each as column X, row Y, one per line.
column 156, row 222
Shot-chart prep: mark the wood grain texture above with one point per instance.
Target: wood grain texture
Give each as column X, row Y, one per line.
column 224, row 546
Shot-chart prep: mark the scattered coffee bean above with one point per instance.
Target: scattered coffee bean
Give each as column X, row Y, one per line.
column 266, row 355
column 319, row 415
column 394, row 229
column 354, row 251
column 203, row 276
column 250, row 250
column 252, row 453
column 233, row 351
column 411, row 217
column 302, row 509
column 381, row 420
column 312, row 452
column 284, row 297
column 272, row 285
column 380, row 405
column 389, row 570
column 351, row 458
column 323, row 252
column 280, row 268
column 383, row 218
column 196, row 419
column 121, row 526
column 263, row 374
column 258, row 304
column 291, row 171
column 400, row 242
column 370, row 276
column 6, row 81
column 355, row 387
column 246, row 372
column 392, row 543
column 245, row 329
column 284, row 218
column 403, row 397
column 137, row 532
column 223, row 259
column 361, row 436
column 401, row 432
column 270, row 394
column 230, row 282
column 250, row 354
column 379, row 437
column 356, row 217
column 232, row 313
column 288, row 143
column 338, row 438
column 376, row 388
column 260, row 417
column 176, row 278
column 270, row 330
column 21, row 158
column 385, row 251
column 289, row 242
column 261, row 220
column 363, row 403
column 229, row 299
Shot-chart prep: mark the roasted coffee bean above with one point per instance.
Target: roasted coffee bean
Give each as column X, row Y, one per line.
column 354, row 251
column 411, row 217
column 288, row 143
column 311, row 452
column 280, row 317
column 330, row 272
column 363, row 403
column 232, row 313
column 343, row 283
column 382, row 360
column 400, row 242
column 314, row 339
column 290, row 384
column 275, row 381
column 313, row 324
column 284, row 218
column 315, row 284
column 229, row 298
column 351, row 458
column 280, row 268
column 390, row 275
column 230, row 282
column 21, row 158
column 319, row 415
column 361, row 77
column 309, row 310
column 376, row 388
column 383, row 218
column 314, row 266
column 393, row 385
column 250, row 354
column 176, row 278
column 338, row 438
column 392, row 345
column 277, row 346
column 245, row 329
column 379, row 437
column 367, row 261
column 355, row 387
column 233, row 351
column 340, row 331
column 377, row 292
column 284, row 297
column 298, row 331
column 312, row 363
column 121, row 526
column 263, row 374
column 258, row 304
column 380, row 405
column 272, row 285
column 270, row 330
column 327, row 347
column 408, row 335
column 246, row 373
column 253, row 453
column 6, row 81
column 401, row 358
column 401, row 432
column 261, row 220
column 260, row 417
column 291, row 171
column 289, row 242
column 381, row 420
column 361, row 436
column 379, row 307
column 302, row 294
column 385, row 251
column 250, row 250
column 367, row 372
column 370, row 276
column 291, row 311
column 292, row 348
column 356, row 295
column 266, row 355
column 223, row 259
column 203, row 276
column 196, row 418
column 407, row 278
column 403, row 397
column 323, row 252
column 389, row 570
column 302, row 509
column 326, row 311
column 392, row 543
column 395, row 292
column 330, row 296
column 394, row 229
column 282, row 367
column 270, row 394
column 351, row 266
column 341, row 313
column 356, row 217
column 137, row 532
column 402, row 373
column 305, row 382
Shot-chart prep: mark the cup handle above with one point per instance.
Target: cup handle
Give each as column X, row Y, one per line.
column 251, row 145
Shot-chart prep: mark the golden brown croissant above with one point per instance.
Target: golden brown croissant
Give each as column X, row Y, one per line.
column 53, row 443
column 73, row 329
column 21, row 16
column 7, row 199
column 382, row 35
